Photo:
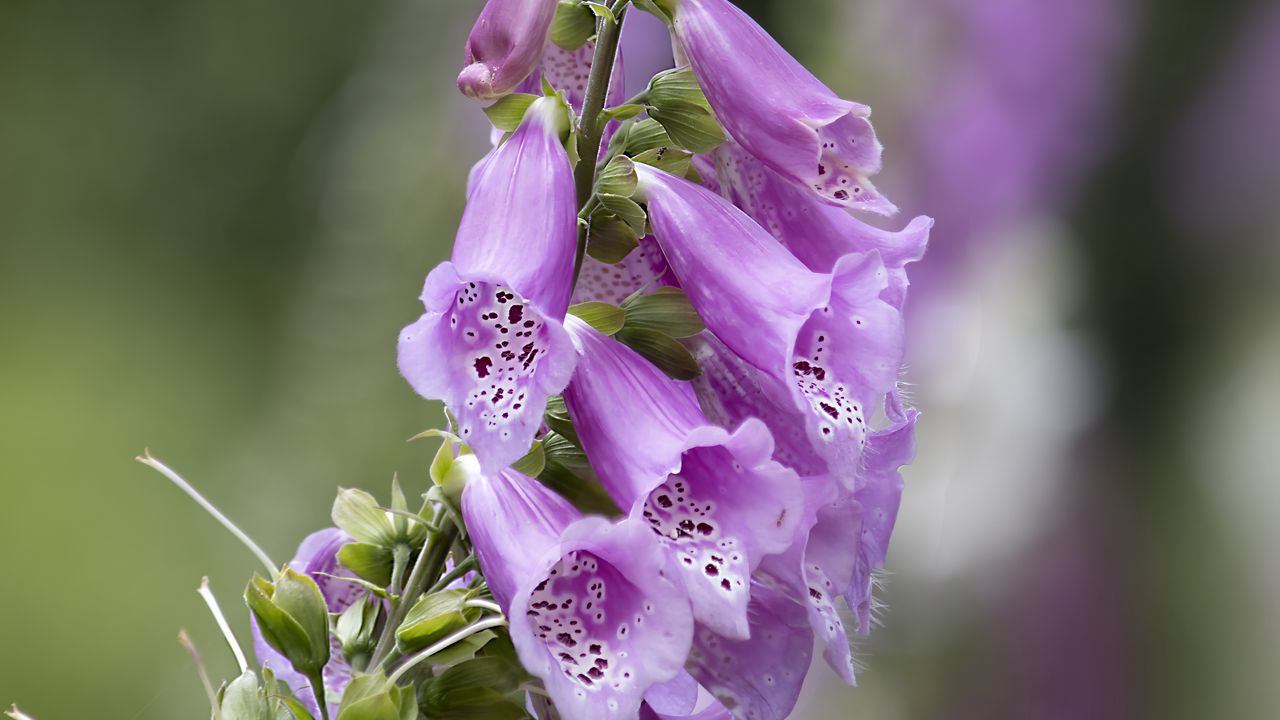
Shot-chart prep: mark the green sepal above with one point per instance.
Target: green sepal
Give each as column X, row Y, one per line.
column 666, row 310
column 570, row 475
column 645, row 135
column 533, row 461
column 601, row 10
column 605, row 318
column 509, row 110
column 664, row 351
column 618, row 177
column 447, row 473
column 433, row 617
column 626, row 209
column 690, row 125
column 623, row 112
column 480, row 689
column 358, row 514
column 609, row 238
column 557, row 418
column 293, row 618
column 677, row 85
column 373, row 697
column 573, row 25
column 368, row 561
column 668, row 159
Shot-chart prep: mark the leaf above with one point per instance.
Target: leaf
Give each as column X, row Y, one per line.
column 668, row 159
column 506, row 113
column 533, row 461
column 666, row 310
column 605, row 318
column 569, row 474
column 609, row 238
column 665, row 352
column 557, row 418
column 573, row 25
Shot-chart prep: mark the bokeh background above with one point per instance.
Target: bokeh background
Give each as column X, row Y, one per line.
column 215, row 215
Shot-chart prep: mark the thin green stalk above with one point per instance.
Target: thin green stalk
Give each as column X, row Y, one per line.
column 317, row 688
column 590, row 127
column 428, row 567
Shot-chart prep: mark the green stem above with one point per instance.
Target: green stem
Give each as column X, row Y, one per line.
column 317, row 688
column 590, row 129
column 430, row 563
column 458, row 571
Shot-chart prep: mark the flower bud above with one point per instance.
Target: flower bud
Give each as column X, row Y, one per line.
column 434, row 617
column 293, row 618
column 355, row 628
column 505, row 46
column 358, row 514
column 373, row 697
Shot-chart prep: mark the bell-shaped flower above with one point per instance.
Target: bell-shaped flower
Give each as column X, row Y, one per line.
column 589, row 609
column 776, row 109
column 818, row 234
column 829, row 337
column 843, row 537
column 317, row 557
column 491, row 343
column 505, row 46
column 716, row 499
column 759, row 677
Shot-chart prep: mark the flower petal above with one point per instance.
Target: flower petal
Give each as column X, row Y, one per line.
column 505, row 46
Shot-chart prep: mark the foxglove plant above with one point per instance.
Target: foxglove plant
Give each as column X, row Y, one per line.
column 669, row 361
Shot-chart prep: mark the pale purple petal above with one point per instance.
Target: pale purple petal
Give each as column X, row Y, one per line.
column 760, row 678
column 717, row 499
column 491, row 344
column 777, row 109
column 815, row 232
column 643, row 267
column 591, row 613
column 505, row 46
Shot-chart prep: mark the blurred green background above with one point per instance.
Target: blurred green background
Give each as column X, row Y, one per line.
column 215, row 217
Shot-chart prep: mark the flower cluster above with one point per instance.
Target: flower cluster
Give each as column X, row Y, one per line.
column 728, row 370
column 670, row 359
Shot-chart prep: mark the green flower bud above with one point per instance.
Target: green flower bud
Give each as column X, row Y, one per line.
column 434, row 617
column 293, row 618
column 360, row 516
column 355, row 628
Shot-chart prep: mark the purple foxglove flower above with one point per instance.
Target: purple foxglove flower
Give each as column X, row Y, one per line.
column 491, row 344
column 317, row 557
column 505, row 46
column 589, row 609
column 759, row 677
column 776, row 109
column 642, row 267
column 878, row 501
column 815, row 232
column 717, row 499
column 830, row 337
column 842, row 538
